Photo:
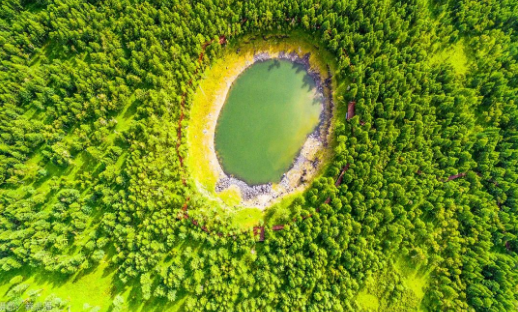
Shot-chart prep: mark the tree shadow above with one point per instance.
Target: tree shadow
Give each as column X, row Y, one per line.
column 34, row 6
column 52, row 170
column 132, row 109
column 308, row 82
column 275, row 64
column 58, row 51
column 55, row 279
column 298, row 67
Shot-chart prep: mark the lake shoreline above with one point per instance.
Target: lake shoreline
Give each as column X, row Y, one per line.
column 309, row 160
column 261, row 195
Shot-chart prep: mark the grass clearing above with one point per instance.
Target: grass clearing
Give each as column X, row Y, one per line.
column 93, row 286
column 247, row 218
column 416, row 278
column 455, row 55
column 399, row 280
column 367, row 301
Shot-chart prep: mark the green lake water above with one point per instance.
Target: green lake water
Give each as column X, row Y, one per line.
column 268, row 114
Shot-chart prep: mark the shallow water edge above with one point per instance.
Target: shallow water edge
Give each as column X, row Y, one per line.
column 306, row 164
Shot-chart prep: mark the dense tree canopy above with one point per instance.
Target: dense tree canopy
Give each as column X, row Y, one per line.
column 94, row 95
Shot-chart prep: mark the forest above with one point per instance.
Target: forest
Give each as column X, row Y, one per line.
column 416, row 211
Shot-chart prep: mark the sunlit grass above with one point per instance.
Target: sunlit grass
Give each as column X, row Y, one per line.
column 92, row 286
column 455, row 55
column 247, row 218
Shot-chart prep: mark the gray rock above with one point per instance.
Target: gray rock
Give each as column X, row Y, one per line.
column 247, row 192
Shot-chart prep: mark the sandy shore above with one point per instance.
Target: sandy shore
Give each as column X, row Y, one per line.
column 310, row 158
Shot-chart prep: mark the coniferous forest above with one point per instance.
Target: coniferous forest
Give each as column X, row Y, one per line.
column 416, row 211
